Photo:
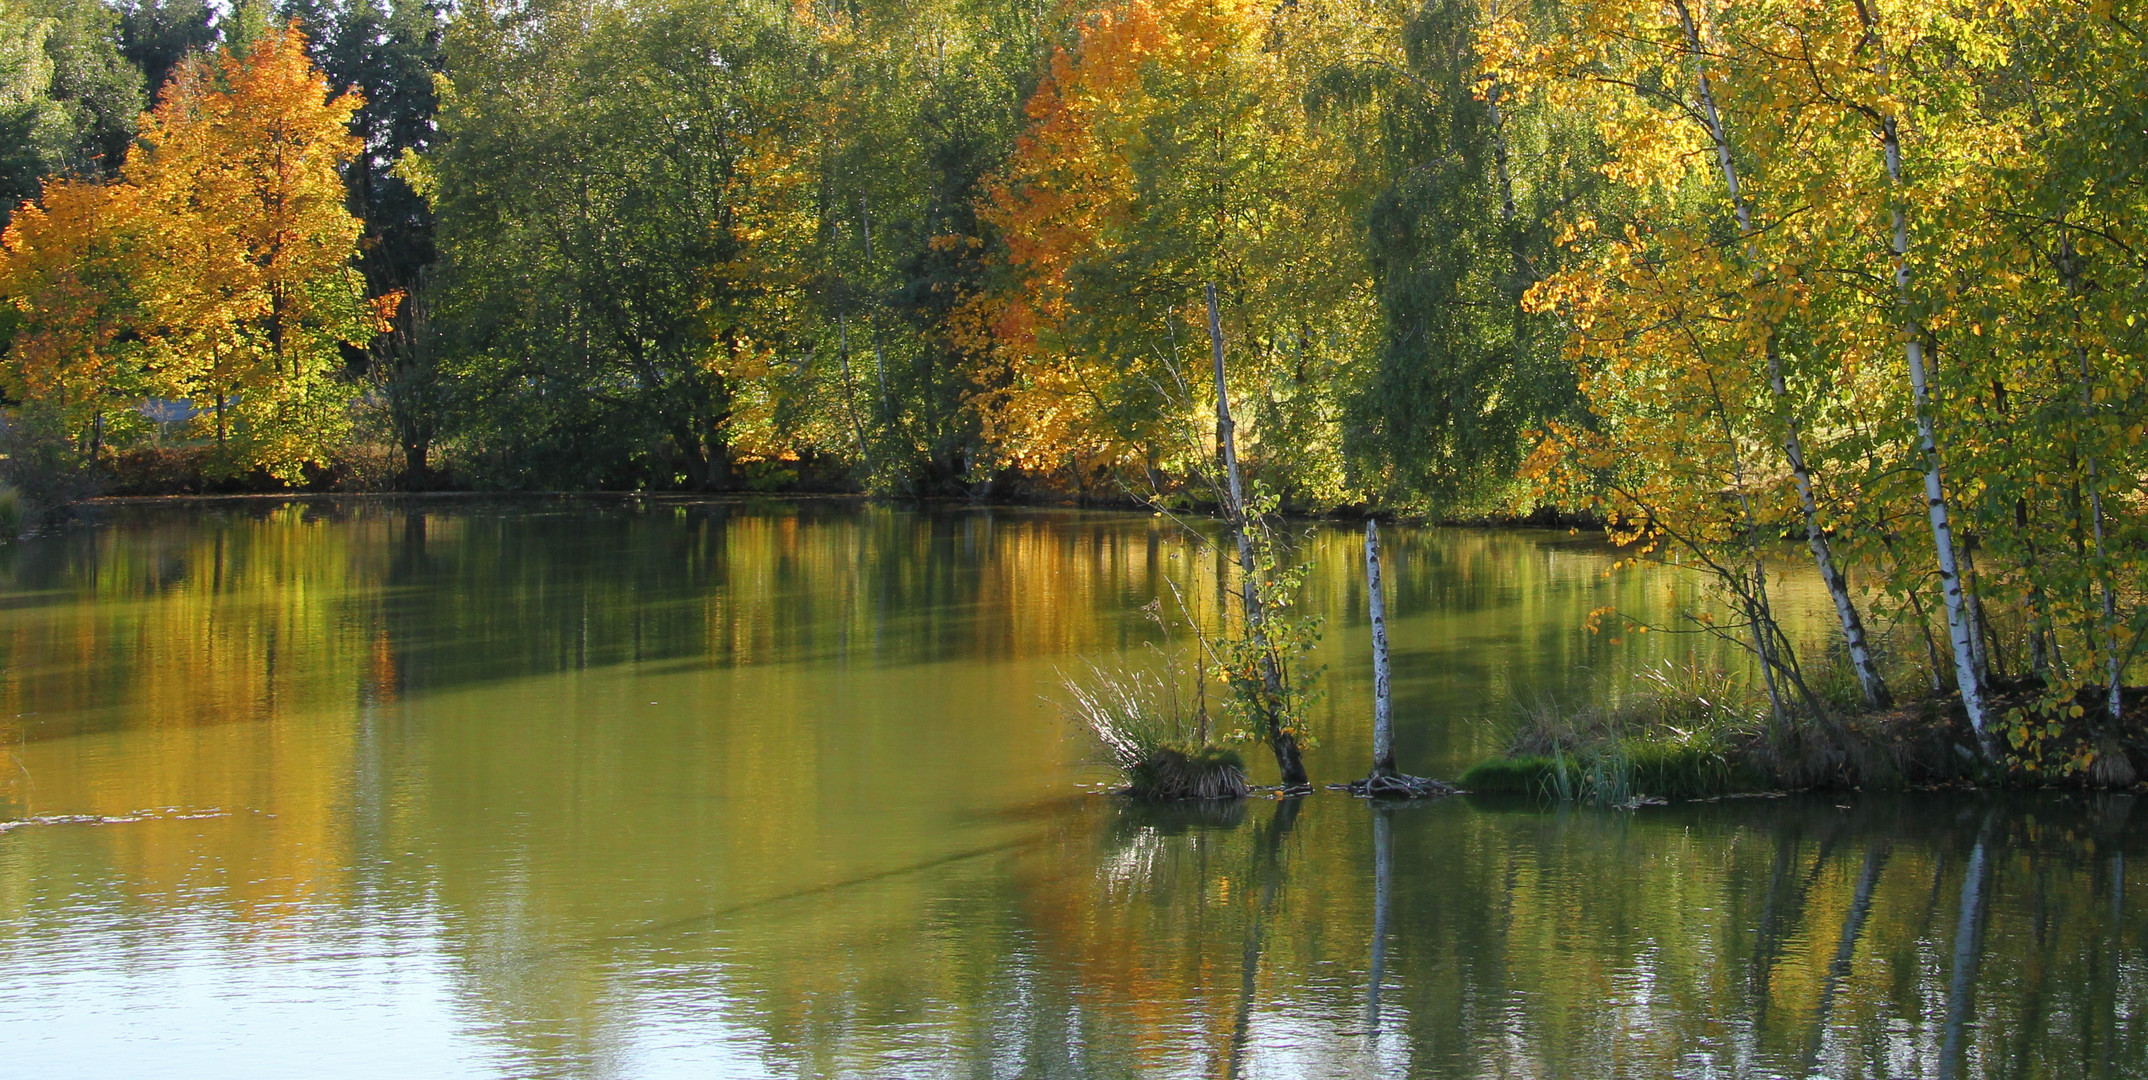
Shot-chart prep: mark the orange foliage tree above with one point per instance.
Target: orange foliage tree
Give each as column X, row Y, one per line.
column 66, row 270
column 216, row 269
column 247, row 249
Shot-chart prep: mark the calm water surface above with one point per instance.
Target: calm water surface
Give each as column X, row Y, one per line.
column 576, row 789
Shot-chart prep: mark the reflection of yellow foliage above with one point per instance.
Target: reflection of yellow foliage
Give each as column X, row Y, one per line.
column 849, row 807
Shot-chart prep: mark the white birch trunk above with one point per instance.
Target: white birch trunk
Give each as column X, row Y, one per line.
column 1869, row 681
column 1961, row 628
column 1286, row 747
column 1499, row 152
column 1383, row 721
column 2113, row 672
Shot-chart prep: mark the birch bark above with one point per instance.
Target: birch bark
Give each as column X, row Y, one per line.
column 1383, row 717
column 1869, row 680
column 1961, row 627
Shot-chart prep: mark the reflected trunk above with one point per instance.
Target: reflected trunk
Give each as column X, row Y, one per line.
column 1968, row 952
column 1838, row 970
column 1267, row 868
column 1382, row 881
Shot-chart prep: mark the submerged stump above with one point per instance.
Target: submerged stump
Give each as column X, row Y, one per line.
column 1394, row 785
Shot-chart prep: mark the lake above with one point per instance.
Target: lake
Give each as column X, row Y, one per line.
column 665, row 787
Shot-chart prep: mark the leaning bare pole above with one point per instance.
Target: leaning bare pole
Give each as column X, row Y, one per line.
column 1385, row 780
column 1285, row 745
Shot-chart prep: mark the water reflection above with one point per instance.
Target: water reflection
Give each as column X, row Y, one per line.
column 553, row 790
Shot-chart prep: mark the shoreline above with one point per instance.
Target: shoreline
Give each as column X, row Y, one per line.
column 1543, row 519
column 1924, row 744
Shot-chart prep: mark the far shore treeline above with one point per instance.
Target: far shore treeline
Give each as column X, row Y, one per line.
column 1865, row 277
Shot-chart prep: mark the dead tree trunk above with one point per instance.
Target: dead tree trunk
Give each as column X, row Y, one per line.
column 1385, row 781
column 1383, row 716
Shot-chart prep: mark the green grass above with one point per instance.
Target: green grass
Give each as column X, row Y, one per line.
column 12, row 512
column 1685, row 733
column 1672, row 768
column 1531, row 774
column 1615, row 773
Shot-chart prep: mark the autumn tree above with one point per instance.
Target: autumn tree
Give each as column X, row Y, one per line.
column 610, row 187
column 69, row 272
column 1872, row 237
column 1474, row 179
column 911, row 107
column 247, row 253
column 391, row 51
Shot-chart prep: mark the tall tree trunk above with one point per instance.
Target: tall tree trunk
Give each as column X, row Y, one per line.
column 1492, row 96
column 1961, row 629
column 850, row 396
column 1383, row 718
column 880, row 360
column 1285, row 745
column 1869, row 681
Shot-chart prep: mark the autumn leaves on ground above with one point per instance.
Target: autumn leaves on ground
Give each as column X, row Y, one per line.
column 1844, row 289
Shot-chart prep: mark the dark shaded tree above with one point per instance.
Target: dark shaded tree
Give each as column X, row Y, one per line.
column 389, row 52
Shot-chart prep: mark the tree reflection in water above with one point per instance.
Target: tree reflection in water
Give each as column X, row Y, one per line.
column 769, row 789
column 1932, row 936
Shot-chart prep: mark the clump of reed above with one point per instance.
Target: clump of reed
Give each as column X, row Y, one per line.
column 1161, row 751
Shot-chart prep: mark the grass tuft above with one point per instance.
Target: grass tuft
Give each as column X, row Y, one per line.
column 1139, row 722
column 1188, row 772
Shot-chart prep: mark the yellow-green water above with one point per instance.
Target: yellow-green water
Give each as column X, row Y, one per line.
column 649, row 789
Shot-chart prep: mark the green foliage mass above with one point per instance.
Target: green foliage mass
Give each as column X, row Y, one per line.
column 1458, row 233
